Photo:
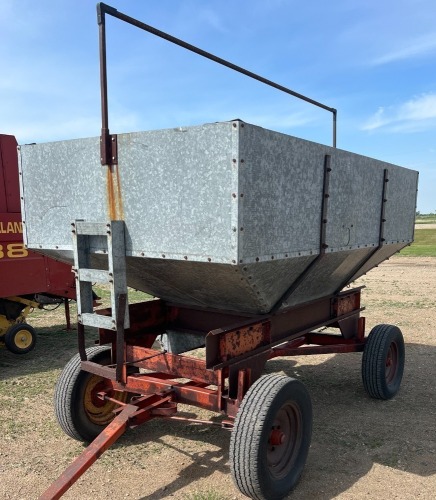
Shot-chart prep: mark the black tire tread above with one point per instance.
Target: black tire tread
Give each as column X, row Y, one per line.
column 247, row 434
column 373, row 363
column 10, row 335
column 64, row 388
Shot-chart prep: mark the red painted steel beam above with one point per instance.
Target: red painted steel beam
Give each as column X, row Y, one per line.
column 174, row 364
column 185, row 393
column 82, row 463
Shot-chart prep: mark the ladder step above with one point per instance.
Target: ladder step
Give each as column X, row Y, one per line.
column 95, row 276
column 98, row 321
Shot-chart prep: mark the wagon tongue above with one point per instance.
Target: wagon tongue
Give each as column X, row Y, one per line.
column 147, row 407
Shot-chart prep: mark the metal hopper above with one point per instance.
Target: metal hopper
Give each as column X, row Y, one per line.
column 225, row 215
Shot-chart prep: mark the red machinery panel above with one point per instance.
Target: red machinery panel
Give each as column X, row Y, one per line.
column 23, row 272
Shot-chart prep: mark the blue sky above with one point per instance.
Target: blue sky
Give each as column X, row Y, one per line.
column 372, row 60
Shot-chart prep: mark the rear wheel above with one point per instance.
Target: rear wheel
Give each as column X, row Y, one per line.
column 271, row 437
column 80, row 413
column 383, row 361
column 20, row 338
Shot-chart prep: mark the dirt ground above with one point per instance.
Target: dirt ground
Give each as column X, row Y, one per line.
column 361, row 448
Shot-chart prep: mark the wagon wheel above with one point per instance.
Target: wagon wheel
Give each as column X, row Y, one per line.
column 383, row 361
column 80, row 413
column 271, row 437
column 20, row 338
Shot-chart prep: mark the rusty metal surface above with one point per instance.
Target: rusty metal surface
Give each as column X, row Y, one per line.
column 243, row 340
column 286, row 325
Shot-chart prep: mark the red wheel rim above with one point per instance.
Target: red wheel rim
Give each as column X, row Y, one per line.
column 391, row 366
column 284, row 440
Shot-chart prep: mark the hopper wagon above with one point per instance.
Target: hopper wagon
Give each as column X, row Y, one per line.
column 248, row 239
column 28, row 279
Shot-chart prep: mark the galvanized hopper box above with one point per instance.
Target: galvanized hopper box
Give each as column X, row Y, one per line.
column 225, row 215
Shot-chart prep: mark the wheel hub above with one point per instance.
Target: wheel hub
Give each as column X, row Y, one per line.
column 277, row 437
column 23, row 339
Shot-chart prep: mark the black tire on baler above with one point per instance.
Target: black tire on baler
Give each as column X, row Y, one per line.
column 383, row 361
column 271, row 437
column 76, row 413
column 20, row 338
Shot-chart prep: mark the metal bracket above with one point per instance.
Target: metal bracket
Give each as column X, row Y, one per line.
column 109, row 149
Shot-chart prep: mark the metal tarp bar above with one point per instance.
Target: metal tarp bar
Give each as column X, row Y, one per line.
column 108, row 155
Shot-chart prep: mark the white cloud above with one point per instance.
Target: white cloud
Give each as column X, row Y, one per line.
column 421, row 46
column 416, row 114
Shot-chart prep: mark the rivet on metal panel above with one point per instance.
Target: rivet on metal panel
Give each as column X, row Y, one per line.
column 234, row 195
column 241, row 261
column 234, row 229
column 242, row 125
column 185, row 257
column 272, row 257
column 242, row 160
column 233, row 261
column 242, row 195
column 257, row 259
column 234, row 160
column 163, row 255
column 286, row 255
column 209, row 259
column 234, row 125
column 242, row 228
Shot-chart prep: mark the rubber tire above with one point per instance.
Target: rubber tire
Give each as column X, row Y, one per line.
column 251, row 431
column 69, row 396
column 375, row 356
column 10, row 338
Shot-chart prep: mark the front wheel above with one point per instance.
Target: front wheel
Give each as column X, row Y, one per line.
column 383, row 361
column 80, row 413
column 20, row 338
column 271, row 437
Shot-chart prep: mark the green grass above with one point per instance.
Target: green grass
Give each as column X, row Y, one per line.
column 426, row 219
column 423, row 246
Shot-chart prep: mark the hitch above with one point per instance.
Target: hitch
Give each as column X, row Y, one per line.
column 128, row 415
